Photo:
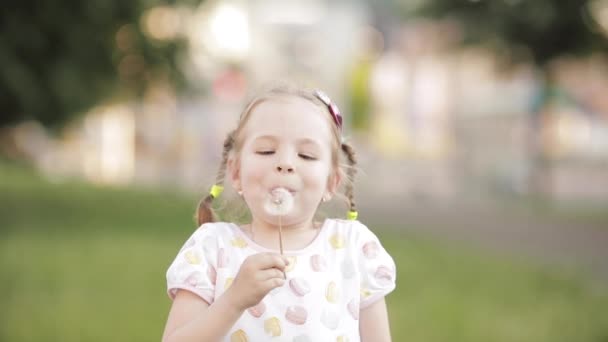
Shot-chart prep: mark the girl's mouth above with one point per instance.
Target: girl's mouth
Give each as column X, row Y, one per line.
column 282, row 188
column 279, row 201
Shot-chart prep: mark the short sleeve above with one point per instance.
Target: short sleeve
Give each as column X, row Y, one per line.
column 194, row 267
column 376, row 267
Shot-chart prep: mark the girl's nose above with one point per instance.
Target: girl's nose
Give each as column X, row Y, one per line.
column 285, row 161
column 285, row 168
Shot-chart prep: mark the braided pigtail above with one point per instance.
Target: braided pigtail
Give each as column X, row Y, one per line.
column 351, row 171
column 204, row 212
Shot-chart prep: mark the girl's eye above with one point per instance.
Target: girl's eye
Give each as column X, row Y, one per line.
column 265, row 153
column 306, row 156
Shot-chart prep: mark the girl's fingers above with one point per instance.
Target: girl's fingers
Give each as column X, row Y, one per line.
column 271, row 260
column 270, row 274
column 273, row 283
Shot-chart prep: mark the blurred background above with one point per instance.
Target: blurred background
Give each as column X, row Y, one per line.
column 481, row 129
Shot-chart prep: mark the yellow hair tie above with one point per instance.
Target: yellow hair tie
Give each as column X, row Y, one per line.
column 216, row 190
column 352, row 215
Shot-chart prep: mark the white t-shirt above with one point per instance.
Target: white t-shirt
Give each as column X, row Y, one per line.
column 344, row 269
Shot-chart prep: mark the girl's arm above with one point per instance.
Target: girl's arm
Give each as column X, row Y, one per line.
column 193, row 319
column 373, row 323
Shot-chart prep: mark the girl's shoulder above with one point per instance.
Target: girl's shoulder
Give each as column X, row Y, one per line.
column 217, row 230
column 216, row 226
column 344, row 225
column 349, row 229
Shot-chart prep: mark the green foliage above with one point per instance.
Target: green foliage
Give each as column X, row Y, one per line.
column 542, row 28
column 359, row 96
column 59, row 58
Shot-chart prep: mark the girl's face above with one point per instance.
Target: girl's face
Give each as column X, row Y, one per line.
column 286, row 143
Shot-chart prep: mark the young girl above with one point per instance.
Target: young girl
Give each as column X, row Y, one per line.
column 283, row 276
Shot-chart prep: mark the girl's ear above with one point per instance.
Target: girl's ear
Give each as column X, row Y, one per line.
column 333, row 183
column 234, row 172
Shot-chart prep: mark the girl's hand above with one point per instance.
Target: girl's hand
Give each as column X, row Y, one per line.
column 258, row 275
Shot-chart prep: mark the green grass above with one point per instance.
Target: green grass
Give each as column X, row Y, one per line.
column 447, row 294
column 81, row 263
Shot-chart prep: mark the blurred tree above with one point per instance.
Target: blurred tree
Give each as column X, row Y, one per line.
column 58, row 58
column 537, row 31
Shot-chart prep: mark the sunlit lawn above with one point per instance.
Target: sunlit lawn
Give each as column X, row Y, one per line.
column 79, row 263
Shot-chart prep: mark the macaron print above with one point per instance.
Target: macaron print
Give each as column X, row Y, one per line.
column 331, row 293
column 239, row 336
column 365, row 293
column 228, row 282
column 353, row 308
column 193, row 279
column 336, row 241
column 317, row 263
column 239, row 242
column 192, row 257
column 292, row 263
column 330, row 319
column 384, row 275
column 257, row 310
column 370, row 249
column 212, row 274
column 299, row 286
column 272, row 326
column 296, row 315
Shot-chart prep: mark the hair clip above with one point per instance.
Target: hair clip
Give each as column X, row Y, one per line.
column 333, row 109
column 216, row 190
column 352, row 215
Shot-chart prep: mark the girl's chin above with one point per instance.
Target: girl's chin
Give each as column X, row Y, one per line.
column 288, row 220
column 283, row 220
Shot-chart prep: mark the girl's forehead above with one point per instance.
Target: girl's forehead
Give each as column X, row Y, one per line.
column 294, row 117
column 287, row 104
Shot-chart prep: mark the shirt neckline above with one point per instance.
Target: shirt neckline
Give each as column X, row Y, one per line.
column 254, row 245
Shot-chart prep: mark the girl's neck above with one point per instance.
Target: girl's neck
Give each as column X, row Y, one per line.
column 295, row 236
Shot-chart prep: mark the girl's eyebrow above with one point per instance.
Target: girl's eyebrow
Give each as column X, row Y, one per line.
column 265, row 137
column 308, row 141
column 302, row 141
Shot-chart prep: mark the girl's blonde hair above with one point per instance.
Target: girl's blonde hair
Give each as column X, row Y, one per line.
column 233, row 143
